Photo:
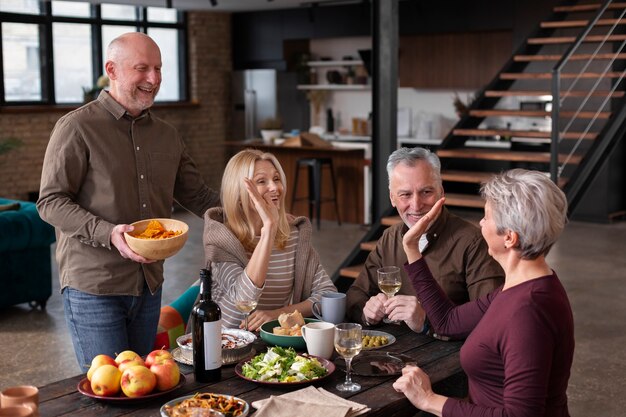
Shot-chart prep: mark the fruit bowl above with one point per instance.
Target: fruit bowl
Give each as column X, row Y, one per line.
column 157, row 249
column 84, row 387
column 296, row 342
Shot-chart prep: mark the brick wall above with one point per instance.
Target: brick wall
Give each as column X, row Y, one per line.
column 204, row 125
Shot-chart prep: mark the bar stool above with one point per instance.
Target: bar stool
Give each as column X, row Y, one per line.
column 314, row 196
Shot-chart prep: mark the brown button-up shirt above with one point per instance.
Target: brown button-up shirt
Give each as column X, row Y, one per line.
column 456, row 254
column 102, row 168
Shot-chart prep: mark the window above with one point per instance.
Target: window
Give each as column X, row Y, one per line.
column 54, row 52
column 20, row 6
column 71, row 46
column 20, row 62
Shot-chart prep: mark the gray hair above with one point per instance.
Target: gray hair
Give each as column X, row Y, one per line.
column 531, row 205
column 410, row 156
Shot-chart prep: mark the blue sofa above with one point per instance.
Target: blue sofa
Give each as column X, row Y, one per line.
column 25, row 264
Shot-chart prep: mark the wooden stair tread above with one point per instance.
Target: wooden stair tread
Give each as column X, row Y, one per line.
column 368, row 246
column 464, row 200
column 496, row 155
column 478, row 177
column 520, row 133
column 475, row 177
column 390, row 221
column 351, row 271
column 536, row 113
column 509, row 93
column 581, row 23
column 571, row 39
column 565, row 75
column 575, row 57
column 586, row 7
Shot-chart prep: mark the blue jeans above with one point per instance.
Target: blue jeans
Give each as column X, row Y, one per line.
column 110, row 324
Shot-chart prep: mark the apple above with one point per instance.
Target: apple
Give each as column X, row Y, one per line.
column 157, row 356
column 130, row 362
column 126, row 355
column 167, row 374
column 97, row 362
column 105, row 380
column 138, row 381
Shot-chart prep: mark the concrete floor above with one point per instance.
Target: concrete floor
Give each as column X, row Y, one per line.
column 589, row 258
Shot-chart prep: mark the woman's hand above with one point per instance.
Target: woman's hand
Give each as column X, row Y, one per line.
column 411, row 239
column 415, row 385
column 267, row 210
column 258, row 317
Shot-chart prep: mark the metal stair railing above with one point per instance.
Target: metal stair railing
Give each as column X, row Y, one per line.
column 556, row 170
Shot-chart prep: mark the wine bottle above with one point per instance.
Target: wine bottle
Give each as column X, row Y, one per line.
column 207, row 333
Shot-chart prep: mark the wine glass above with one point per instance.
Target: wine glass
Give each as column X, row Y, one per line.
column 246, row 306
column 348, row 343
column 389, row 282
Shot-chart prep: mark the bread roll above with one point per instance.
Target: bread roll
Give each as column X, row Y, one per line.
column 280, row 331
column 289, row 320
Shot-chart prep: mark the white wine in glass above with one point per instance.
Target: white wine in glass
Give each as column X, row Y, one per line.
column 389, row 282
column 246, row 307
column 348, row 344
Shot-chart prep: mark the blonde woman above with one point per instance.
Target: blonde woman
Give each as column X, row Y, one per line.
column 256, row 250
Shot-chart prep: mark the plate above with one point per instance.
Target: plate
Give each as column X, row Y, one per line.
column 330, row 367
column 179, row 356
column 84, row 387
column 378, row 363
column 391, row 339
column 175, row 401
column 296, row 342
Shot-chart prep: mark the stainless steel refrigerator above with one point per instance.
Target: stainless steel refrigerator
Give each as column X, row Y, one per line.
column 259, row 94
column 254, row 100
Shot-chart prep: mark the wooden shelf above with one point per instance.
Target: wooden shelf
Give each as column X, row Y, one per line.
column 346, row 63
column 338, row 87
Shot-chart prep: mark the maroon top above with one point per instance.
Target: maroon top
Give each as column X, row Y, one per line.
column 519, row 347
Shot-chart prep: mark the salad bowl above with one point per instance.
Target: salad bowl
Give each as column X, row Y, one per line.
column 286, row 358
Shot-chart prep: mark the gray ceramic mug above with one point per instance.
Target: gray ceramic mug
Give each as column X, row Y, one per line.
column 332, row 307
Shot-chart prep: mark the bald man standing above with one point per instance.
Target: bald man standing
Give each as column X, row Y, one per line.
column 109, row 163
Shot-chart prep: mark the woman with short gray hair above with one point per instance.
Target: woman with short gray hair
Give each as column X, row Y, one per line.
column 532, row 205
column 520, row 337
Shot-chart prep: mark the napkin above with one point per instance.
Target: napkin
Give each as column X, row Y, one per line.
column 283, row 407
column 318, row 398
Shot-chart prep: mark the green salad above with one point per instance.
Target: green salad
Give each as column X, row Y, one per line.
column 283, row 365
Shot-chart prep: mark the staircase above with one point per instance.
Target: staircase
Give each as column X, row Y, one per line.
column 576, row 56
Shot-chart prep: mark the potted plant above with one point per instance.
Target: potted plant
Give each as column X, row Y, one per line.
column 271, row 128
column 90, row 94
column 8, row 144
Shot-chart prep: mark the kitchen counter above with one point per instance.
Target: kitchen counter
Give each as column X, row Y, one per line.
column 349, row 173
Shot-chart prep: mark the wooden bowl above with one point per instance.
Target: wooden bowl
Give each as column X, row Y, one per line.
column 158, row 248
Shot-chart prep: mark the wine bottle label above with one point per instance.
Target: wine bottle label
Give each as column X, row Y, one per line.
column 212, row 344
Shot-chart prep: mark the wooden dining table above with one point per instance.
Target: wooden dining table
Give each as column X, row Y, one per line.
column 439, row 359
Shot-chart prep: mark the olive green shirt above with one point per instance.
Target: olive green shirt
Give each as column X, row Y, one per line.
column 456, row 254
column 102, row 168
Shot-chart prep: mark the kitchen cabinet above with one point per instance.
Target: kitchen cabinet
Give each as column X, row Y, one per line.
column 452, row 60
